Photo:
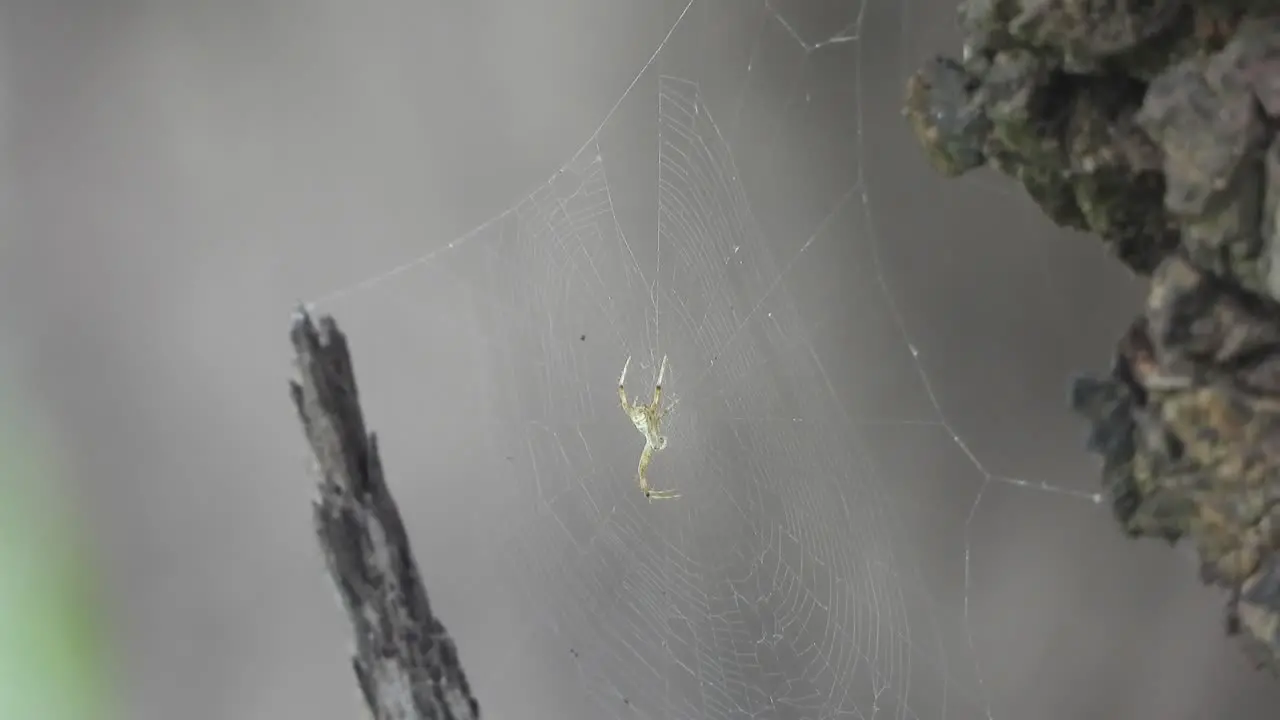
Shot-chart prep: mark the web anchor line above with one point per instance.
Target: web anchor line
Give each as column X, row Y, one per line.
column 467, row 237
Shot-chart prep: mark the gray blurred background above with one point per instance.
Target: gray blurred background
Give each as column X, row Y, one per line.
column 179, row 175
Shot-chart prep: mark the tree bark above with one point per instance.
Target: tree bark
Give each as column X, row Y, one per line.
column 1153, row 126
column 405, row 661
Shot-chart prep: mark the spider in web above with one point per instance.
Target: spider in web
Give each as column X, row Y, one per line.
column 648, row 420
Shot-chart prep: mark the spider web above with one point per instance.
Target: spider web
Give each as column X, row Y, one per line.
column 782, row 584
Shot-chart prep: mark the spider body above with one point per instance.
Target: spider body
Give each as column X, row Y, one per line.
column 648, row 420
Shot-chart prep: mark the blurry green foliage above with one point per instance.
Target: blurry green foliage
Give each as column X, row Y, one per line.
column 52, row 655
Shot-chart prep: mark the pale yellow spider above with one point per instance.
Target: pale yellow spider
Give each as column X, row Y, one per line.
column 648, row 420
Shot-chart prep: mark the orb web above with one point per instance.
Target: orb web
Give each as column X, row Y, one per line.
column 781, row 583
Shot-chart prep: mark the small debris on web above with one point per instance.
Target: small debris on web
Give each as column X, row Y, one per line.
column 1152, row 126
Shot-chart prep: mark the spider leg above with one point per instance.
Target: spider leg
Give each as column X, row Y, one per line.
column 642, row 472
column 622, row 386
column 657, row 388
column 646, row 456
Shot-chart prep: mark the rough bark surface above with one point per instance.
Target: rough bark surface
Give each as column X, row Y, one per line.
column 1153, row 125
column 405, row 661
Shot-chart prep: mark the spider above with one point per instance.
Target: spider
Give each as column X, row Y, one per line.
column 648, row 420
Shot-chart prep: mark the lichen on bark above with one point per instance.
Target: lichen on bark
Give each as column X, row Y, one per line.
column 1153, row 126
